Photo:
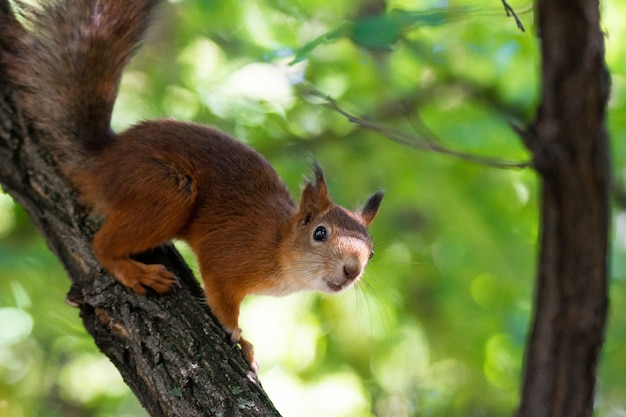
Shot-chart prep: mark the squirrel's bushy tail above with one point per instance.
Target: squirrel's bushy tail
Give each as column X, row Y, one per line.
column 66, row 59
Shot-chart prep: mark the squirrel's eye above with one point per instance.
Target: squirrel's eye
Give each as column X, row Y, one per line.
column 372, row 254
column 320, row 234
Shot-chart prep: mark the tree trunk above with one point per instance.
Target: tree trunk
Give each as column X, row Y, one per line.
column 570, row 147
column 170, row 350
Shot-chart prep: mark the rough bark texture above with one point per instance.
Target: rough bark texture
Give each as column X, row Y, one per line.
column 170, row 350
column 570, row 146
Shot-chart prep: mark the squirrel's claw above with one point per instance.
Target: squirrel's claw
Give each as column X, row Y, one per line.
column 235, row 335
column 247, row 349
column 159, row 279
column 248, row 353
column 141, row 277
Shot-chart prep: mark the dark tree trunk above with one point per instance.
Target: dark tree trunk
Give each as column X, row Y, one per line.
column 170, row 350
column 570, row 147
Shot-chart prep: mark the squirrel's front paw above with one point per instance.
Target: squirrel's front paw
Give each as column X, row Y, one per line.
column 247, row 349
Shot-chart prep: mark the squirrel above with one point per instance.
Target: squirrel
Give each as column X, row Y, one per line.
column 165, row 179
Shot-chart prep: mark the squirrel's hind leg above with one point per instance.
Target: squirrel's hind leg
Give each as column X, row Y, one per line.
column 135, row 228
column 141, row 212
column 113, row 246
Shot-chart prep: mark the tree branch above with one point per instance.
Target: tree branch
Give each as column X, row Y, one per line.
column 426, row 141
column 510, row 12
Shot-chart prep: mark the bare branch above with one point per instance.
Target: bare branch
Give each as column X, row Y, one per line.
column 426, row 141
column 510, row 12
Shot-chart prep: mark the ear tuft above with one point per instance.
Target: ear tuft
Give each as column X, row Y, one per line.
column 319, row 174
column 369, row 210
column 314, row 198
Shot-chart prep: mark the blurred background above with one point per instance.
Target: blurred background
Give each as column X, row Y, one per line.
column 438, row 325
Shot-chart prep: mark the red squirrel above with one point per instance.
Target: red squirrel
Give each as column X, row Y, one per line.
column 164, row 179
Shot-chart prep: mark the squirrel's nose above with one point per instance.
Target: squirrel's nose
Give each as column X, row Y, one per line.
column 351, row 270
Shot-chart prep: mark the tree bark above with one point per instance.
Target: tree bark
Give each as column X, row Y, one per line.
column 569, row 144
column 170, row 350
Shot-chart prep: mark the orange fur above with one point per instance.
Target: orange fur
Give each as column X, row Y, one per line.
column 165, row 179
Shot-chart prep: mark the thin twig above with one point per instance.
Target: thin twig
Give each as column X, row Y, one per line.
column 426, row 143
column 510, row 12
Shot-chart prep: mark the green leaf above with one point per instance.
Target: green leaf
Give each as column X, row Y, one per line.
column 382, row 31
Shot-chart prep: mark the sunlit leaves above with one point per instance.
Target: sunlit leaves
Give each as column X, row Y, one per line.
column 381, row 32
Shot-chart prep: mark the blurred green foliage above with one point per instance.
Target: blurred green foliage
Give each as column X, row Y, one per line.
column 438, row 326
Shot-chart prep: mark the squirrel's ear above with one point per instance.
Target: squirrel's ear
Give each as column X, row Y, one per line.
column 314, row 198
column 369, row 210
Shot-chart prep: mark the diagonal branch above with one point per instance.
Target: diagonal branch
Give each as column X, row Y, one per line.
column 510, row 12
column 425, row 142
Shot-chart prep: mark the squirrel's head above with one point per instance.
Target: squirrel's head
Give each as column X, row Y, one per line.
column 331, row 245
